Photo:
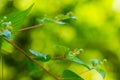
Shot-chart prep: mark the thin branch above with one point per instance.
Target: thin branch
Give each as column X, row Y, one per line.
column 31, row 27
column 58, row 57
column 30, row 58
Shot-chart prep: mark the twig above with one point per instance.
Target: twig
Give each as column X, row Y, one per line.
column 58, row 57
column 31, row 27
column 30, row 58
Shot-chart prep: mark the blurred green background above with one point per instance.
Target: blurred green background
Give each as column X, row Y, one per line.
column 96, row 30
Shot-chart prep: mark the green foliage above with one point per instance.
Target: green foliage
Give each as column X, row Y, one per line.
column 60, row 19
column 5, row 24
column 6, row 34
column 95, row 64
column 69, row 75
column 15, row 21
column 11, row 23
column 39, row 56
column 18, row 18
column 32, row 67
column 102, row 73
column 77, row 60
column 72, row 56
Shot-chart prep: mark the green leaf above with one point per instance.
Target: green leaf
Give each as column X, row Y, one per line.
column 70, row 56
column 69, row 75
column 17, row 18
column 32, row 67
column 102, row 73
column 6, row 34
column 39, row 56
column 77, row 60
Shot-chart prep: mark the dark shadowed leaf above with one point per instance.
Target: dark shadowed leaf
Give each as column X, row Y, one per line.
column 69, row 75
column 39, row 56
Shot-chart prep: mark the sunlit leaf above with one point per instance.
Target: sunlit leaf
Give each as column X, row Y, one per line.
column 69, row 75
column 102, row 73
column 39, row 56
column 17, row 18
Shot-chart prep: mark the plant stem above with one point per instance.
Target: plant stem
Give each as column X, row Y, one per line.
column 58, row 57
column 86, row 71
column 31, row 27
column 30, row 58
